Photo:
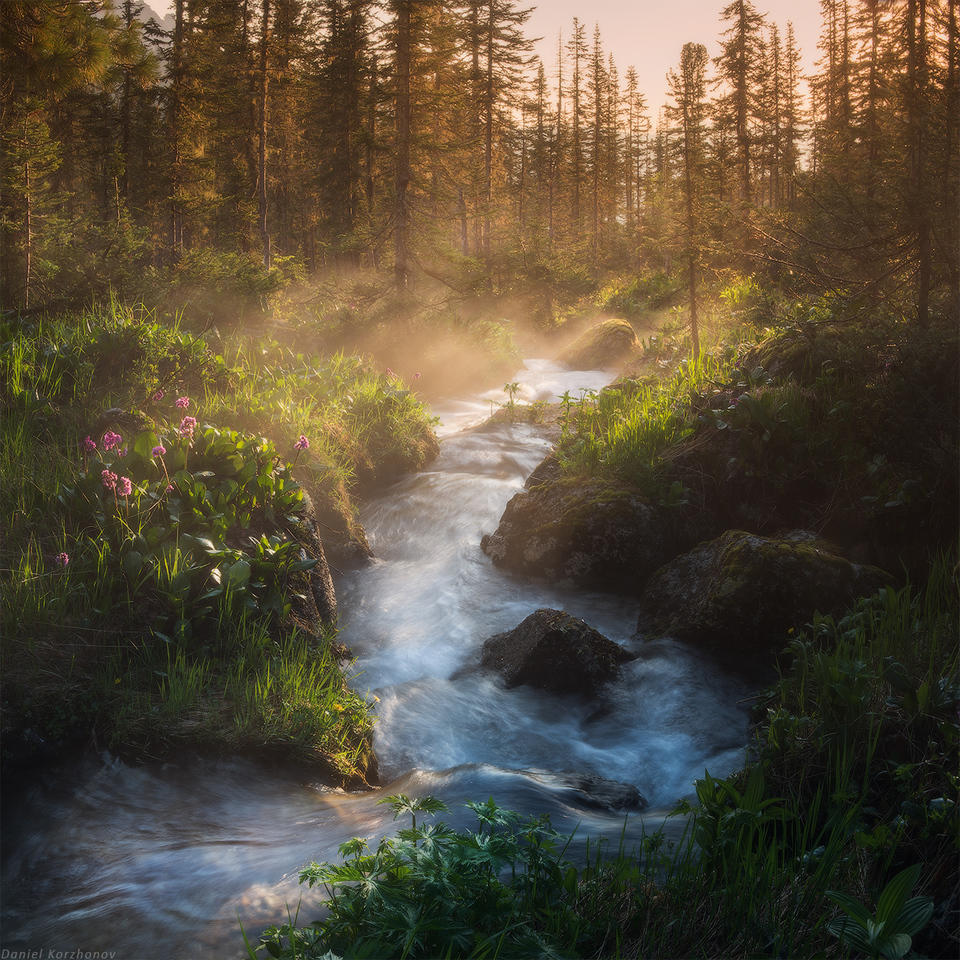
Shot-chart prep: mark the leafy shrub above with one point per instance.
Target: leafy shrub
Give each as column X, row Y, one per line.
column 114, row 352
column 747, row 301
column 433, row 891
column 631, row 297
column 210, row 287
column 181, row 533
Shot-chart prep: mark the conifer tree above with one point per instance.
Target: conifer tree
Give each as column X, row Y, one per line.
column 688, row 89
column 740, row 68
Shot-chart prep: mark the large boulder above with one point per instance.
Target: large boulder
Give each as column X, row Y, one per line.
column 598, row 534
column 739, row 594
column 610, row 343
column 553, row 651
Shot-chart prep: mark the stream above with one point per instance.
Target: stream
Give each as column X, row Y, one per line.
column 161, row 860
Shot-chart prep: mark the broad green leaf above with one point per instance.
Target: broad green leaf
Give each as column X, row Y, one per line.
column 144, row 442
column 896, row 946
column 133, row 564
column 895, row 893
column 850, row 906
column 851, row 932
column 914, row 916
column 238, row 574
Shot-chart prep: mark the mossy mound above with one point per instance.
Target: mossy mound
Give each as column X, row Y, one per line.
column 739, row 594
column 591, row 533
column 611, row 343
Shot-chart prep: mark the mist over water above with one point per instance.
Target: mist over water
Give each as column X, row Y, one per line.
column 159, row 860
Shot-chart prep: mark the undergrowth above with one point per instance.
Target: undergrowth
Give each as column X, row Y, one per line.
column 824, row 420
column 155, row 560
column 840, row 834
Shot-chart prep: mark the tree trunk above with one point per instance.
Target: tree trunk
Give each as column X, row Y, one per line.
column 28, row 232
column 488, row 138
column 262, row 134
column 401, row 269
column 176, row 110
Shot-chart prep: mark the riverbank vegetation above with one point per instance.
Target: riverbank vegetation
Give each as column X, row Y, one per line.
column 160, row 565
column 243, row 242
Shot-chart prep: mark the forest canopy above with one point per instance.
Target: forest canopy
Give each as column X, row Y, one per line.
column 424, row 138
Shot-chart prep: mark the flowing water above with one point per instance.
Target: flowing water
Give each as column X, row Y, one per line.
column 161, row 860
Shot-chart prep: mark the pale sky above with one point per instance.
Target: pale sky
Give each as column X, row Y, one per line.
column 648, row 34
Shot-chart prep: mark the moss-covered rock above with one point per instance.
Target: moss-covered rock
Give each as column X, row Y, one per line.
column 592, row 533
column 553, row 651
column 610, row 343
column 739, row 594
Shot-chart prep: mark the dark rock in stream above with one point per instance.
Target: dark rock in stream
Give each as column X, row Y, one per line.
column 738, row 595
column 546, row 471
column 589, row 790
column 596, row 534
column 553, row 651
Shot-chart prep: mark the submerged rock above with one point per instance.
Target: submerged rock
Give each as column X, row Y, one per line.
column 610, row 343
column 594, row 533
column 553, row 651
column 589, row 790
column 740, row 593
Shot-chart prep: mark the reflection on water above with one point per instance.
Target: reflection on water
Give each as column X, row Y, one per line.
column 161, row 860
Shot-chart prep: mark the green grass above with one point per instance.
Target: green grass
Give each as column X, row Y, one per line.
column 624, row 430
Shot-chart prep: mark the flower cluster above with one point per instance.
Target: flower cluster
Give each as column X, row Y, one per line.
column 159, row 450
column 182, row 403
column 89, row 445
column 158, row 396
column 61, row 559
column 111, row 440
column 187, row 426
column 120, row 485
column 302, row 444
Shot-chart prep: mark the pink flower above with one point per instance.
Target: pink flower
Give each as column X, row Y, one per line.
column 417, row 376
column 169, row 488
column 109, row 479
column 88, row 444
column 302, row 444
column 187, row 426
column 159, row 450
column 61, row 559
column 158, row 396
column 182, row 403
column 122, row 452
column 124, row 486
column 111, row 440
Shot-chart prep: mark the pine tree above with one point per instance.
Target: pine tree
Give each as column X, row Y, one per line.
column 688, row 89
column 740, row 68
column 596, row 97
column 577, row 49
